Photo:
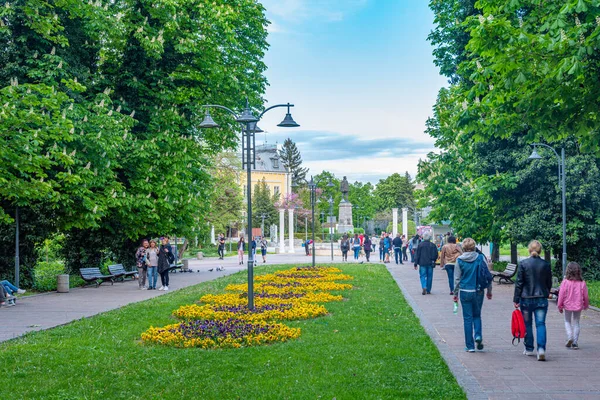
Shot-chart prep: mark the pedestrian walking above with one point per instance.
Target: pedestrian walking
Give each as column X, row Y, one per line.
column 368, row 248
column 534, row 281
column 152, row 262
column 382, row 247
column 387, row 247
column 221, row 248
column 413, row 244
column 345, row 247
column 241, row 248
column 253, row 247
column 355, row 242
column 165, row 259
column 404, row 248
column 263, row 249
column 572, row 299
column 425, row 257
column 470, row 293
column 141, row 263
column 397, row 245
column 450, row 252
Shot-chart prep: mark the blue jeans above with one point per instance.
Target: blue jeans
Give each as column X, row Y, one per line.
column 450, row 270
column 381, row 253
column 397, row 255
column 10, row 288
column 538, row 307
column 471, row 308
column 152, row 277
column 356, row 252
column 426, row 275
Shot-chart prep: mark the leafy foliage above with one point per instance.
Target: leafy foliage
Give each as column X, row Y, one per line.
column 292, row 160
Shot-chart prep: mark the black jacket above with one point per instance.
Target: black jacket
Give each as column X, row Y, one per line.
column 427, row 254
column 534, row 279
column 397, row 242
column 165, row 259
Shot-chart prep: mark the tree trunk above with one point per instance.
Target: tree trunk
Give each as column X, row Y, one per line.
column 496, row 253
column 514, row 254
column 547, row 255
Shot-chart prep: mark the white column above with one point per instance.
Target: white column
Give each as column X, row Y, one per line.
column 212, row 234
column 291, row 229
column 395, row 222
column 282, row 230
column 405, row 222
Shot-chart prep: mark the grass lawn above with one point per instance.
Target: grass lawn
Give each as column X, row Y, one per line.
column 594, row 292
column 521, row 250
column 369, row 347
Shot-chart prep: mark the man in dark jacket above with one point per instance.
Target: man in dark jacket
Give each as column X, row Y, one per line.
column 397, row 243
column 534, row 281
column 425, row 257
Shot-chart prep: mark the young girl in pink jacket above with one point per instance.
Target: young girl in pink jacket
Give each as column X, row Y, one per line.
column 572, row 299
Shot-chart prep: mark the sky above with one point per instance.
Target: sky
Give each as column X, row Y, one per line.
column 361, row 76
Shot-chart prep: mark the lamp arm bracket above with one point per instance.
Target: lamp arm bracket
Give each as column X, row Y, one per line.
column 222, row 108
column 549, row 147
column 272, row 107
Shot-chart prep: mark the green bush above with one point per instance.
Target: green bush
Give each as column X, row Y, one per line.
column 44, row 275
column 500, row 266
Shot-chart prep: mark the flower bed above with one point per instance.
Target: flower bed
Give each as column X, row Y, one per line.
column 209, row 334
column 270, row 312
column 225, row 321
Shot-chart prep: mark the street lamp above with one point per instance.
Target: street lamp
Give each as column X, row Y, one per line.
column 262, row 227
column 312, row 186
column 249, row 128
column 562, row 178
column 323, row 221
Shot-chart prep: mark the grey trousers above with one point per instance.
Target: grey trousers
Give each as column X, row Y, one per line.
column 142, row 272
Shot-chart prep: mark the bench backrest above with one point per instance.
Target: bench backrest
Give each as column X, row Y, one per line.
column 510, row 268
column 90, row 272
column 116, row 269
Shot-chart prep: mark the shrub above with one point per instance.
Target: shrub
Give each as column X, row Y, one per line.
column 44, row 275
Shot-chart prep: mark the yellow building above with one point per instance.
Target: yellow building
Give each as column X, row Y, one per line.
column 269, row 167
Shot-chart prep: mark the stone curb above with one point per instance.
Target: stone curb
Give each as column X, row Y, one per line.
column 464, row 378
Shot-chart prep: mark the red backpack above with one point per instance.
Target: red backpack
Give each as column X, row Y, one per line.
column 517, row 326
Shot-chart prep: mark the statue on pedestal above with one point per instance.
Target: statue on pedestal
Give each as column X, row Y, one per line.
column 344, row 188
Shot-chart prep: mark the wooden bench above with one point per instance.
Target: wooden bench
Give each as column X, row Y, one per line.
column 94, row 275
column 506, row 275
column 119, row 272
column 174, row 267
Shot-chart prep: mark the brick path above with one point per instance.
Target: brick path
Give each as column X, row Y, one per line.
column 502, row 371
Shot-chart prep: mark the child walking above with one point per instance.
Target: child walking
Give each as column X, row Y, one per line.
column 572, row 299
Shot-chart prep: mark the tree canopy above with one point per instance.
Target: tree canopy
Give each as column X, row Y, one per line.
column 292, row 160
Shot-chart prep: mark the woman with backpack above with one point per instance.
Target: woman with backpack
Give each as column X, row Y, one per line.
column 469, row 288
column 165, row 259
column 345, row 247
column 367, row 247
column 241, row 248
column 534, row 281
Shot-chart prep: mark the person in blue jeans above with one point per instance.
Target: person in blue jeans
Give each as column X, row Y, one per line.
column 356, row 246
column 534, row 281
column 425, row 257
column 471, row 299
column 10, row 288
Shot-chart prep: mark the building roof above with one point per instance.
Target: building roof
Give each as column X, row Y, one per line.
column 267, row 159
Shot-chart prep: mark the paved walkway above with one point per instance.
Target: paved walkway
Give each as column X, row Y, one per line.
column 501, row 371
column 44, row 311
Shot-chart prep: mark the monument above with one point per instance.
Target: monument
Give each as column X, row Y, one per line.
column 346, row 221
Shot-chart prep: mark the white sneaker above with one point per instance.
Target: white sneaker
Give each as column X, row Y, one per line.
column 21, row 291
column 166, row 288
column 541, row 355
column 161, row 288
column 143, row 288
column 529, row 353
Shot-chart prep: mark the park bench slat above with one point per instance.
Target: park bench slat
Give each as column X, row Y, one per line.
column 120, row 273
column 94, row 275
column 509, row 272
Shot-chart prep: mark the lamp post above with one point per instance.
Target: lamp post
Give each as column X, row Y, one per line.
column 262, row 227
column 562, row 178
column 312, row 186
column 323, row 221
column 249, row 129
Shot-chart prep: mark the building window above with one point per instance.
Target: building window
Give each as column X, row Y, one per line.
column 276, row 190
column 275, row 162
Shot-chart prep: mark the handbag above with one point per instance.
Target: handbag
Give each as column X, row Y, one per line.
column 517, row 326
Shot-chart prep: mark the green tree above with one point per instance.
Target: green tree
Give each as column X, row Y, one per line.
column 226, row 199
column 394, row 191
column 292, row 160
column 264, row 204
column 101, row 101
